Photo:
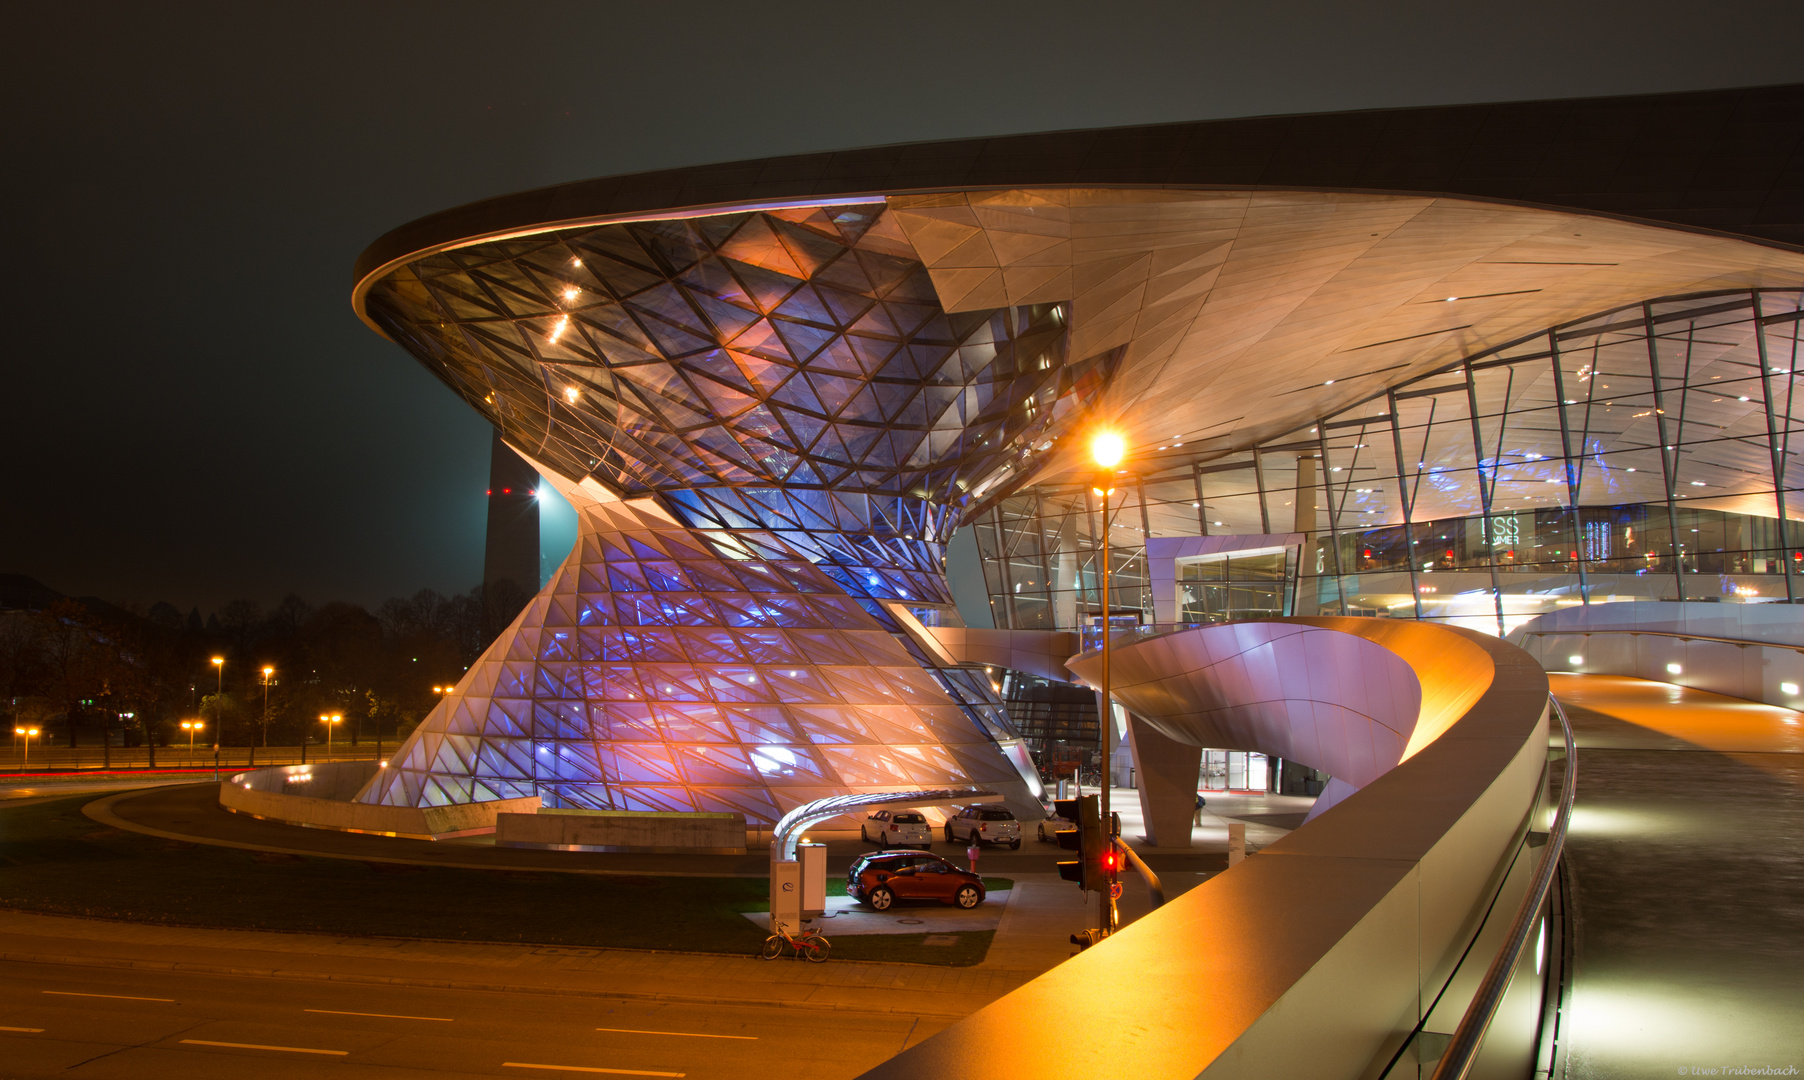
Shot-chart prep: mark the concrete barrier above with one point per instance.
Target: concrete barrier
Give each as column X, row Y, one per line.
column 1749, row 651
column 1321, row 955
column 319, row 797
column 623, row 830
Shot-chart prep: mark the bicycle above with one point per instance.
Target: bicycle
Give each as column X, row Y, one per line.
column 809, row 945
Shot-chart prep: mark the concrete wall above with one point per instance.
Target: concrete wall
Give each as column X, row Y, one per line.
column 319, row 797
column 620, row 830
column 1765, row 650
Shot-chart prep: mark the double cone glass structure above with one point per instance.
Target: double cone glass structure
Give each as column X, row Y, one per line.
column 769, row 426
column 1463, row 363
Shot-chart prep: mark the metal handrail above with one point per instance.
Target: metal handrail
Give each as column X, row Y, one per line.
column 1665, row 633
column 1462, row 1049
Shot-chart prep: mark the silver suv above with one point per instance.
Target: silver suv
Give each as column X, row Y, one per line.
column 984, row 825
column 897, row 829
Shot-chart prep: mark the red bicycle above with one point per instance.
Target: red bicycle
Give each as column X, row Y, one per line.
column 809, row 945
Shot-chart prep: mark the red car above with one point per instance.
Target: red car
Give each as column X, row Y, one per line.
column 879, row 880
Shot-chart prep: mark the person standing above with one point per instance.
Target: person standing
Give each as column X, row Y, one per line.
column 1196, row 819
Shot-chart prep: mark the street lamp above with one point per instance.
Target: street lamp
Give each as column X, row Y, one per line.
column 28, row 733
column 329, row 719
column 218, row 696
column 1106, row 449
column 192, row 727
column 267, row 672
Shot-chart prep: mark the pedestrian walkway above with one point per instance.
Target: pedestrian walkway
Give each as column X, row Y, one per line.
column 1687, row 874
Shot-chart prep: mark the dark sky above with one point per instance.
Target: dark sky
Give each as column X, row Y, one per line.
column 191, row 412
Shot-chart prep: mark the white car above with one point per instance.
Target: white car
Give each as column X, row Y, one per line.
column 1048, row 829
column 984, row 825
column 897, row 829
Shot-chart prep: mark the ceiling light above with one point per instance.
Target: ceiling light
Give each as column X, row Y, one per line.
column 1741, row 399
column 570, row 394
column 1330, row 382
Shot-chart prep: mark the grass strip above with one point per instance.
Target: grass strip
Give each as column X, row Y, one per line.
column 56, row 861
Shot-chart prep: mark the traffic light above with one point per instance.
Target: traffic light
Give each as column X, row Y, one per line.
column 1089, row 869
column 1112, row 861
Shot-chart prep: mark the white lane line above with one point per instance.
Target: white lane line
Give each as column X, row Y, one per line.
column 685, row 1034
column 116, row 997
column 385, row 1016
column 586, row 1068
column 259, row 1046
column 33, row 1031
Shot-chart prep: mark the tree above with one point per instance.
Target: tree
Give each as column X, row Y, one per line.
column 71, row 659
column 21, row 659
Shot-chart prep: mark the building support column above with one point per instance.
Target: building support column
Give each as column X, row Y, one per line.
column 1166, row 771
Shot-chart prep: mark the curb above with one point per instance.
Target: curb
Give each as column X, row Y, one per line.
column 101, row 810
column 451, row 984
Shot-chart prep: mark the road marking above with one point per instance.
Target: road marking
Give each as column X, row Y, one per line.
column 385, row 1016
column 586, row 1068
column 686, row 1034
column 259, row 1046
column 34, row 1031
column 119, row 997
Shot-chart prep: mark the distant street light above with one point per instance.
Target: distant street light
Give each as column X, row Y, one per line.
column 28, row 733
column 218, row 699
column 192, row 727
column 267, row 672
column 329, row 719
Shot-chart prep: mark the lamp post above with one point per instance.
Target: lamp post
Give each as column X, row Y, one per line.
column 218, row 697
column 329, row 719
column 28, row 733
column 192, row 727
column 267, row 672
column 1107, row 450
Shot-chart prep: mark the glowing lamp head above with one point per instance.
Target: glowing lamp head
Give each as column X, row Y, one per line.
column 1107, row 449
column 219, row 661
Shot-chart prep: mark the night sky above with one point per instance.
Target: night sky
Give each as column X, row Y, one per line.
column 190, row 410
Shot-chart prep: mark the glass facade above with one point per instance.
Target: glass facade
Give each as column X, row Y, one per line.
column 785, row 379
column 1640, row 454
column 653, row 674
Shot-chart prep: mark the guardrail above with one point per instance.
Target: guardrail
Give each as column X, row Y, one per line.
column 1742, row 642
column 61, row 759
column 1462, row 1049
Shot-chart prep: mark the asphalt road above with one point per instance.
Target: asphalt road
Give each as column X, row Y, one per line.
column 58, row 1020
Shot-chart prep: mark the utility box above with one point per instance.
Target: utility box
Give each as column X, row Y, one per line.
column 785, row 896
column 813, row 858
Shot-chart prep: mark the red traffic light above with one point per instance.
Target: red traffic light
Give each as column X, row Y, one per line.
column 1111, row 861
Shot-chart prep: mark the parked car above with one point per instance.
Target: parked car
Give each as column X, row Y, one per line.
column 880, row 879
column 1048, row 829
column 984, row 825
column 897, row 828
